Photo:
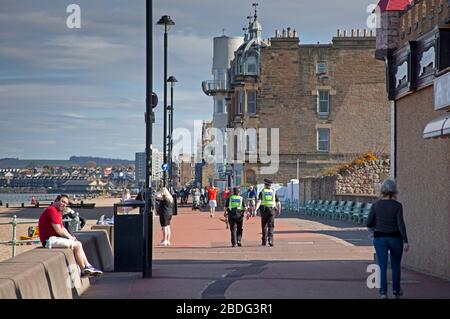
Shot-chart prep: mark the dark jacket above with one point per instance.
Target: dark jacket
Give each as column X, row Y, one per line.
column 386, row 219
column 164, row 207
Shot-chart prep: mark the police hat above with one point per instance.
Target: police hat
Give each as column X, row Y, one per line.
column 267, row 181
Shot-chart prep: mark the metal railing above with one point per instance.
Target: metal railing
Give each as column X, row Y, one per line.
column 214, row 86
column 291, row 205
column 75, row 223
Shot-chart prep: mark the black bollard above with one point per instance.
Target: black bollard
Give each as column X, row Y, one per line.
column 23, row 205
column 7, row 205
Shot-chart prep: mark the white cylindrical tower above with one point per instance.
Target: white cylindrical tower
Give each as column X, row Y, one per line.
column 224, row 48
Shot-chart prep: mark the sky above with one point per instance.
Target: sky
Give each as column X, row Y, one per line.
column 81, row 91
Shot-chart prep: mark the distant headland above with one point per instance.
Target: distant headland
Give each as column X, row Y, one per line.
column 72, row 161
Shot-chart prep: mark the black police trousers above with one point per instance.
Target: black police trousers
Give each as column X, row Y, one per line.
column 267, row 224
column 236, row 220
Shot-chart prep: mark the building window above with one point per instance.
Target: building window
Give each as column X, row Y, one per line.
column 240, row 105
column 323, row 140
column 251, row 102
column 321, row 68
column 251, row 65
column 251, row 144
column 323, row 103
column 220, row 75
column 240, row 66
column 250, row 177
column 220, row 106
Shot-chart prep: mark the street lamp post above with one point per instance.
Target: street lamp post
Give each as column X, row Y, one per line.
column 166, row 22
column 147, row 218
column 172, row 80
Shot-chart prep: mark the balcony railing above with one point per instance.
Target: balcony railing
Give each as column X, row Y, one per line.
column 213, row 87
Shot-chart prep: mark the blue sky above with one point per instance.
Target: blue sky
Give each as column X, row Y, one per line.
column 67, row 92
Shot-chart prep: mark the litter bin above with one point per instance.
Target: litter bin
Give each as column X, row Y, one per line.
column 128, row 236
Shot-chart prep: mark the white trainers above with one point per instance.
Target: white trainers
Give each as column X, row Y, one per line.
column 164, row 243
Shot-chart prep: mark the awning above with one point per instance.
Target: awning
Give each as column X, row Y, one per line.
column 437, row 127
column 446, row 127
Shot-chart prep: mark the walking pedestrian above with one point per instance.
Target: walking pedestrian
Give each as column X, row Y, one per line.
column 202, row 196
column 212, row 195
column 251, row 201
column 164, row 209
column 195, row 198
column 389, row 231
column 225, row 195
column 269, row 205
column 234, row 211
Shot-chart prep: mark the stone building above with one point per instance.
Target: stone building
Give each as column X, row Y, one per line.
column 328, row 101
column 186, row 164
column 223, row 52
column 414, row 40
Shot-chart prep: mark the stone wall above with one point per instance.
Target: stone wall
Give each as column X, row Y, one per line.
column 359, row 183
column 364, row 179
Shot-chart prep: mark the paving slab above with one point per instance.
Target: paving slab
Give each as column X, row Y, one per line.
column 311, row 259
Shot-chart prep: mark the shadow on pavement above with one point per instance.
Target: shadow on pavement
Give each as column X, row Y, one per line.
column 257, row 279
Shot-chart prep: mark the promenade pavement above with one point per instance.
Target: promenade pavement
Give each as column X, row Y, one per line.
column 312, row 258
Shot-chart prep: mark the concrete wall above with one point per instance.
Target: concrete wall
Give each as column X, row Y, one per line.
column 423, row 174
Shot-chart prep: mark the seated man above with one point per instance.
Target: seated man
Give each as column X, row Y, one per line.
column 53, row 234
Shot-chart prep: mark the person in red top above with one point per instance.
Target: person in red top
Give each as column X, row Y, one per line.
column 225, row 195
column 53, row 234
column 212, row 195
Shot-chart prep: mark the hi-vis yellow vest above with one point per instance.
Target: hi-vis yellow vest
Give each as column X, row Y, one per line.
column 235, row 202
column 268, row 198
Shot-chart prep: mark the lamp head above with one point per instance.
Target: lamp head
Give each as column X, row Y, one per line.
column 166, row 22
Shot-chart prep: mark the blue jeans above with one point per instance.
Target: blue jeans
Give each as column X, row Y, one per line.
column 395, row 246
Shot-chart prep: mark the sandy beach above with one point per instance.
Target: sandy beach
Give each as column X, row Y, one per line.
column 103, row 206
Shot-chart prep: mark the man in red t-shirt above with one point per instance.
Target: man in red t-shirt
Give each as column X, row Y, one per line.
column 52, row 233
column 212, row 195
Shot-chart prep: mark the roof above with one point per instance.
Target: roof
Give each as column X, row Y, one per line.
column 393, row 5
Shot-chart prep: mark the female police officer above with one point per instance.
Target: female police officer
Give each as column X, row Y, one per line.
column 235, row 209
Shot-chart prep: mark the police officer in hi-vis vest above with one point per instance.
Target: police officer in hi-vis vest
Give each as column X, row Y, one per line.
column 269, row 205
column 235, row 210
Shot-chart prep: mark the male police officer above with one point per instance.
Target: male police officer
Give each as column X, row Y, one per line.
column 269, row 205
column 235, row 209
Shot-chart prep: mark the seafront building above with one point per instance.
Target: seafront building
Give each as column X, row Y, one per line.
column 328, row 102
column 414, row 41
column 223, row 52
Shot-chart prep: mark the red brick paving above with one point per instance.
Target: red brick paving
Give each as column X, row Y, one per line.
column 305, row 263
